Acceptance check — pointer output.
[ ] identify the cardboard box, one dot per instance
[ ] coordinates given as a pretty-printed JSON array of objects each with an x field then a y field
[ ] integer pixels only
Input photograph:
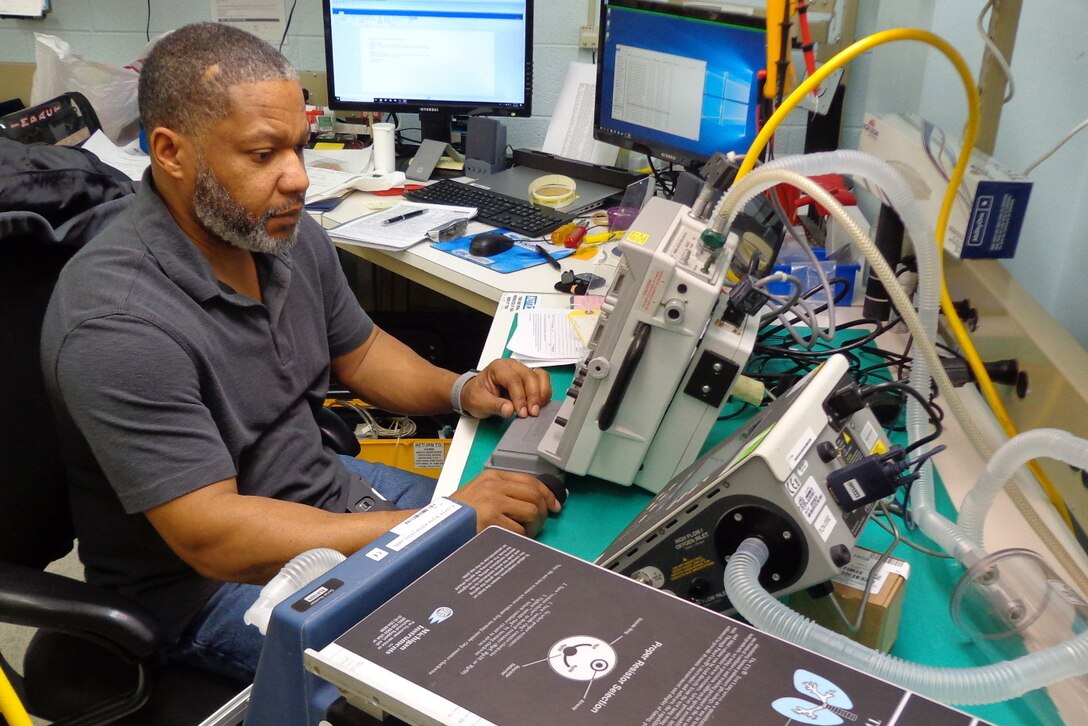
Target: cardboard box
[
  {"x": 882, "y": 612},
  {"x": 990, "y": 207}
]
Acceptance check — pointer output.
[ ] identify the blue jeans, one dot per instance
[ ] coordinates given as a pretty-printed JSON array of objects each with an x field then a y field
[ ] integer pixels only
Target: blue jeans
[{"x": 218, "y": 640}]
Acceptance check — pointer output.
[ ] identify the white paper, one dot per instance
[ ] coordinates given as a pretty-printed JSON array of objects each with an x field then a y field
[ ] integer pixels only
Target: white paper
[
  {"x": 129, "y": 159},
  {"x": 355, "y": 161},
  {"x": 545, "y": 337},
  {"x": 263, "y": 18},
  {"x": 369, "y": 231},
  {"x": 570, "y": 130},
  {"x": 327, "y": 182},
  {"x": 856, "y": 573},
  {"x": 25, "y": 8}
]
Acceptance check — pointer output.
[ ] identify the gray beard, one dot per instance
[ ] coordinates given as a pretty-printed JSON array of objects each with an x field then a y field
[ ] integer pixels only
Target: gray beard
[{"x": 222, "y": 216}]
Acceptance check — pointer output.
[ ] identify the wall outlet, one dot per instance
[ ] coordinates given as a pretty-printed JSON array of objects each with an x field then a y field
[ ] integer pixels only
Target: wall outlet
[{"x": 587, "y": 37}]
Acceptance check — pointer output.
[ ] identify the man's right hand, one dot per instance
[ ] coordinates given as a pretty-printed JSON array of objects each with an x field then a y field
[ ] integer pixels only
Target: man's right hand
[{"x": 512, "y": 500}]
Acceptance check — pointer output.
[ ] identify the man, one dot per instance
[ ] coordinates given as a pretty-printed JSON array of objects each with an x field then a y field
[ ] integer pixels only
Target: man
[{"x": 186, "y": 348}]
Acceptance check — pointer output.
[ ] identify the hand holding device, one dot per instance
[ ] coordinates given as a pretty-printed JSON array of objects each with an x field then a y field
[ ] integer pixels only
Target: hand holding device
[{"x": 509, "y": 499}]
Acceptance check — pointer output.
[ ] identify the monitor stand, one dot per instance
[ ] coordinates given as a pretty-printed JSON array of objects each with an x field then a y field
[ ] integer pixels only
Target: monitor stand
[{"x": 436, "y": 126}]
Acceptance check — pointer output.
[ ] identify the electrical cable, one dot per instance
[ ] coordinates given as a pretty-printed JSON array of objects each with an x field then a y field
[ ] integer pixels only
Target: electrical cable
[
  {"x": 659, "y": 177},
  {"x": 403, "y": 426},
  {"x": 287, "y": 25},
  {"x": 770, "y": 176},
  {"x": 995, "y": 51},
  {"x": 891, "y": 529},
  {"x": 904, "y": 387},
  {"x": 807, "y": 45},
  {"x": 855, "y": 626},
  {"x": 783, "y": 53},
  {"x": 1073, "y": 132},
  {"x": 776, "y": 205},
  {"x": 147, "y": 29},
  {"x": 978, "y": 367}
]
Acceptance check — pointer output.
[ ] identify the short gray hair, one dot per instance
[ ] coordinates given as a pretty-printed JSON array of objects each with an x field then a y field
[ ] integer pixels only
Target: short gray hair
[{"x": 187, "y": 76}]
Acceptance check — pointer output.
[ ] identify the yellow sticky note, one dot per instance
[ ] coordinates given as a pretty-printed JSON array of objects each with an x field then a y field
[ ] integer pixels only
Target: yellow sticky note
[
  {"x": 328, "y": 146},
  {"x": 639, "y": 238},
  {"x": 583, "y": 322}
]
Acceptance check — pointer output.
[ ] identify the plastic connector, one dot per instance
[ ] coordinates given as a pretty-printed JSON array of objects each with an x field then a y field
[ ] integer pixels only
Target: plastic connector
[
  {"x": 587, "y": 37},
  {"x": 844, "y": 403},
  {"x": 719, "y": 172},
  {"x": 869, "y": 479},
  {"x": 1005, "y": 372},
  {"x": 744, "y": 299}
]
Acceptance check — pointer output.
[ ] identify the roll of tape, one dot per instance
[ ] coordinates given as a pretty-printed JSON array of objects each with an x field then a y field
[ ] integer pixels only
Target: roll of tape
[{"x": 553, "y": 190}]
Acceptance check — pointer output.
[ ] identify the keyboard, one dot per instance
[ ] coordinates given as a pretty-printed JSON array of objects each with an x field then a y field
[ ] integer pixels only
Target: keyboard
[{"x": 498, "y": 210}]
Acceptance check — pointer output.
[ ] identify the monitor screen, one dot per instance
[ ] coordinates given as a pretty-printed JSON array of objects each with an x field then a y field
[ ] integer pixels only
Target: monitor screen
[
  {"x": 430, "y": 56},
  {"x": 677, "y": 82}
]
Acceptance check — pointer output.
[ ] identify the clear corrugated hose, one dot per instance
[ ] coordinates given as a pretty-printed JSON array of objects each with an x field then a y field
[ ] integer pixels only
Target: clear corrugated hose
[
  {"x": 966, "y": 686},
  {"x": 301, "y": 570},
  {"x": 962, "y": 686}
]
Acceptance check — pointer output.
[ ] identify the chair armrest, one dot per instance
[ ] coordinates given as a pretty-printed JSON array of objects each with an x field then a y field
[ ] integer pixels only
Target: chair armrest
[
  {"x": 40, "y": 599},
  {"x": 336, "y": 433}
]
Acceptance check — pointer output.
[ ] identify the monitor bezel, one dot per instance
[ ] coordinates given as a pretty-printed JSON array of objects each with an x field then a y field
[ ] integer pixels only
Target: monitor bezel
[
  {"x": 448, "y": 108},
  {"x": 654, "y": 148}
]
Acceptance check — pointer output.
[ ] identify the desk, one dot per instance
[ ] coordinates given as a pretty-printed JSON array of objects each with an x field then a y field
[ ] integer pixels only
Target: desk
[
  {"x": 925, "y": 621},
  {"x": 468, "y": 283}
]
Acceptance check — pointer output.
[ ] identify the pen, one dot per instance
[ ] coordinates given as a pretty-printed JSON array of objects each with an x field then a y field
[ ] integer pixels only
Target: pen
[
  {"x": 402, "y": 217},
  {"x": 548, "y": 256}
]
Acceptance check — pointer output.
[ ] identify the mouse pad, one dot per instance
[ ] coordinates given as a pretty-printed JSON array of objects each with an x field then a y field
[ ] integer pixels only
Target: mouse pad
[{"x": 519, "y": 257}]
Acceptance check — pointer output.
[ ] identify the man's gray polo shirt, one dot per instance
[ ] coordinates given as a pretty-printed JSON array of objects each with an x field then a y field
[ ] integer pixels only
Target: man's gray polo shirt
[{"x": 164, "y": 381}]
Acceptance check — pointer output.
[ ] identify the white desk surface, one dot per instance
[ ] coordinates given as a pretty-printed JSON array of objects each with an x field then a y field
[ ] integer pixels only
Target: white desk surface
[{"x": 469, "y": 283}]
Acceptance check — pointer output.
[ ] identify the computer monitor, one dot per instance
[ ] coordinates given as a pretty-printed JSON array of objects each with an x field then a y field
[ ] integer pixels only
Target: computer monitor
[
  {"x": 677, "y": 82},
  {"x": 437, "y": 58}
]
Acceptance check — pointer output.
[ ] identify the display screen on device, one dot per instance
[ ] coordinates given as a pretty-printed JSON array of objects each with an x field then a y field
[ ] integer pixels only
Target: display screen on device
[
  {"x": 431, "y": 55},
  {"x": 678, "y": 82}
]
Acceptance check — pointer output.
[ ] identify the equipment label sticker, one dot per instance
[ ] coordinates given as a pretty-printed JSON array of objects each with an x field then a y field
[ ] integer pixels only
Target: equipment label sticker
[
  {"x": 870, "y": 436},
  {"x": 825, "y": 523},
  {"x": 428, "y": 454},
  {"x": 422, "y": 521},
  {"x": 856, "y": 573},
  {"x": 810, "y": 500},
  {"x": 801, "y": 447}
]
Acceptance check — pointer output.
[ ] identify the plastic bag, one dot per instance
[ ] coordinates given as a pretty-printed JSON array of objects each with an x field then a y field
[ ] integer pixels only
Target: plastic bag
[{"x": 109, "y": 88}]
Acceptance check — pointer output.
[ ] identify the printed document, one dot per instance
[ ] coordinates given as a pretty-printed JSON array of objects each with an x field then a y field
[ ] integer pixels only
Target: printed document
[
  {"x": 369, "y": 231},
  {"x": 545, "y": 338},
  {"x": 570, "y": 130}
]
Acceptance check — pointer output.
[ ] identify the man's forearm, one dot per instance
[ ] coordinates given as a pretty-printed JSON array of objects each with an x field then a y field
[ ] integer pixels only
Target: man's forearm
[
  {"x": 234, "y": 538},
  {"x": 392, "y": 376}
]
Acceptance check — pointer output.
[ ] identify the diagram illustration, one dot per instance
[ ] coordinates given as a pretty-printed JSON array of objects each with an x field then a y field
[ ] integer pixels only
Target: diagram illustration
[{"x": 830, "y": 708}]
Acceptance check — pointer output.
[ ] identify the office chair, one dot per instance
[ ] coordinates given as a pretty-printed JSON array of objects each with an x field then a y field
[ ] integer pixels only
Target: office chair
[
  {"x": 96, "y": 657},
  {"x": 67, "y": 120}
]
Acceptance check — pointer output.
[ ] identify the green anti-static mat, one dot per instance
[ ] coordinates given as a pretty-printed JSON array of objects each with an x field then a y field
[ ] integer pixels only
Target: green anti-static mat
[{"x": 596, "y": 511}]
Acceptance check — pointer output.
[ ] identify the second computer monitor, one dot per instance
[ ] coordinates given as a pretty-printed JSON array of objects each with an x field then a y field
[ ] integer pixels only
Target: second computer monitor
[{"x": 678, "y": 82}]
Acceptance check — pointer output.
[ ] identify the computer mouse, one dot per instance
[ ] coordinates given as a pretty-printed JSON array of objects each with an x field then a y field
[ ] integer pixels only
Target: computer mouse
[{"x": 489, "y": 244}]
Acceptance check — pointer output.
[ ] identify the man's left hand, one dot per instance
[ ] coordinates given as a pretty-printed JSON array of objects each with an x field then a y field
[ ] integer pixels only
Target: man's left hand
[{"x": 505, "y": 388}]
